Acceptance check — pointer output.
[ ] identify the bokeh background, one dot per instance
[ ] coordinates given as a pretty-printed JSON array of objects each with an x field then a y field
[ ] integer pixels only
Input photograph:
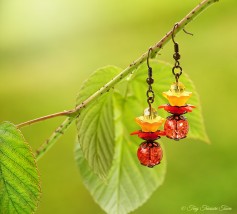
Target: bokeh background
[{"x": 49, "y": 47}]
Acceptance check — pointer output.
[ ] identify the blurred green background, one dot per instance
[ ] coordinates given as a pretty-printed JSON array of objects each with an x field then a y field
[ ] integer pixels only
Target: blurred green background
[{"x": 49, "y": 47}]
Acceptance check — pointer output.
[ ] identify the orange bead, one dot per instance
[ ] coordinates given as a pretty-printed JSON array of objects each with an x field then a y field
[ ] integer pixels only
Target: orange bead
[{"x": 177, "y": 96}]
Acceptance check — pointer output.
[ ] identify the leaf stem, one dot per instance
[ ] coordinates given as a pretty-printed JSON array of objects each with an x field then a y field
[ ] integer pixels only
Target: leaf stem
[{"x": 153, "y": 52}]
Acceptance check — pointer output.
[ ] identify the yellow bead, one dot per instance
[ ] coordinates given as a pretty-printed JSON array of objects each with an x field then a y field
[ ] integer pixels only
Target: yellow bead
[
  {"x": 177, "y": 96},
  {"x": 150, "y": 122}
]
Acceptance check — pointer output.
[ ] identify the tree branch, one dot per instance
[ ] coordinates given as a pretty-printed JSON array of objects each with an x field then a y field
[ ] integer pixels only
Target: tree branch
[
  {"x": 27, "y": 123},
  {"x": 154, "y": 51}
]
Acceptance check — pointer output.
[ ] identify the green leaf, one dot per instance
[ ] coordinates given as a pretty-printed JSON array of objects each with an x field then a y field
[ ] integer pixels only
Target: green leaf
[
  {"x": 128, "y": 184},
  {"x": 95, "y": 123},
  {"x": 19, "y": 179}
]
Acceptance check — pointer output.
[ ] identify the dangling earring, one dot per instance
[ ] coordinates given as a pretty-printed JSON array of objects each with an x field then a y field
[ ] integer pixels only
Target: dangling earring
[
  {"x": 149, "y": 152},
  {"x": 176, "y": 126}
]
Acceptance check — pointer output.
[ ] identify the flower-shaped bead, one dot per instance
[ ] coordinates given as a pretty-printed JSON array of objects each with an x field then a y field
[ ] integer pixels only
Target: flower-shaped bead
[
  {"x": 177, "y": 96},
  {"x": 177, "y": 110},
  {"x": 150, "y": 136},
  {"x": 150, "y": 122}
]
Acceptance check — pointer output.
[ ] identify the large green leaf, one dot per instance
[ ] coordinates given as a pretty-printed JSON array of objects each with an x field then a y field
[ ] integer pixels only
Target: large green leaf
[
  {"x": 19, "y": 179},
  {"x": 128, "y": 184},
  {"x": 95, "y": 123}
]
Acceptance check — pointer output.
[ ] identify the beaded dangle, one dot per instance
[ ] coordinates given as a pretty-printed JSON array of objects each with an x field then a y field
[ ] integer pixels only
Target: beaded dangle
[
  {"x": 149, "y": 152},
  {"x": 176, "y": 125}
]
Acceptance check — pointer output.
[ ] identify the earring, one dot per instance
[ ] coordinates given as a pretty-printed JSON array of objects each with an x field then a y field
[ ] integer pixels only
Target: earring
[
  {"x": 176, "y": 126},
  {"x": 149, "y": 152}
]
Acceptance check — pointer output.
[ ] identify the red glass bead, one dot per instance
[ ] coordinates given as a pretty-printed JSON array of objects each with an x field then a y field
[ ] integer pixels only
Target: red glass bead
[
  {"x": 176, "y": 127},
  {"x": 149, "y": 153}
]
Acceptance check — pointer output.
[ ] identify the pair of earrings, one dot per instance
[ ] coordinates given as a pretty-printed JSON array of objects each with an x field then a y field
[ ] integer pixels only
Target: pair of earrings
[{"x": 176, "y": 126}]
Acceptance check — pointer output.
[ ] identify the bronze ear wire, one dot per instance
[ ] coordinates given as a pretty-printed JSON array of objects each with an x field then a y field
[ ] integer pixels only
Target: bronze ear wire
[
  {"x": 150, "y": 93},
  {"x": 176, "y": 125},
  {"x": 177, "y": 69}
]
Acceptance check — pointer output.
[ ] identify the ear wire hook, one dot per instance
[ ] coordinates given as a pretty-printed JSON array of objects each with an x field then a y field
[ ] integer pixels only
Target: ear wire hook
[
  {"x": 147, "y": 59},
  {"x": 175, "y": 26},
  {"x": 177, "y": 69}
]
